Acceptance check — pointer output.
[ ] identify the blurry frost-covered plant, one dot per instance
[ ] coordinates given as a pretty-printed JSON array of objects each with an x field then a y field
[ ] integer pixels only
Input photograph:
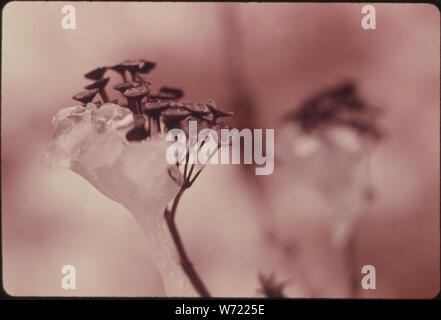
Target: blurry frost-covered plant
[
  {"x": 120, "y": 148},
  {"x": 270, "y": 287},
  {"x": 327, "y": 137},
  {"x": 323, "y": 149}
]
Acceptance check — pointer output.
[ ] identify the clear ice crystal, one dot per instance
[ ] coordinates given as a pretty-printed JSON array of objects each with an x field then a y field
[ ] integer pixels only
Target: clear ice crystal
[{"x": 91, "y": 142}]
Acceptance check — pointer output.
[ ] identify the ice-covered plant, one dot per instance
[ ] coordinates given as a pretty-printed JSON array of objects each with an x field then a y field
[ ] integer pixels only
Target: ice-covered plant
[
  {"x": 327, "y": 137},
  {"x": 120, "y": 148},
  {"x": 322, "y": 146}
]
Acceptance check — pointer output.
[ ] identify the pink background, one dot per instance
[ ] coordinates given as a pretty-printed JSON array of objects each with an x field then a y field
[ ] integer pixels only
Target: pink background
[{"x": 271, "y": 55}]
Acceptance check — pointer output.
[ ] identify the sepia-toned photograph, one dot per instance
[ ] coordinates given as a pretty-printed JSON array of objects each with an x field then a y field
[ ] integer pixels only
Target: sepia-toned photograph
[{"x": 226, "y": 150}]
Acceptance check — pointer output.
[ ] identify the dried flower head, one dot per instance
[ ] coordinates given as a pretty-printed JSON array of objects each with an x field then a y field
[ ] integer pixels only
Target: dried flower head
[{"x": 121, "y": 152}]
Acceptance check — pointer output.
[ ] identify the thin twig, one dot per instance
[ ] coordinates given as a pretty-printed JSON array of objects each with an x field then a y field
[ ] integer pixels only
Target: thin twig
[
  {"x": 169, "y": 215},
  {"x": 193, "y": 164},
  {"x": 187, "y": 156},
  {"x": 184, "y": 260},
  {"x": 202, "y": 168}
]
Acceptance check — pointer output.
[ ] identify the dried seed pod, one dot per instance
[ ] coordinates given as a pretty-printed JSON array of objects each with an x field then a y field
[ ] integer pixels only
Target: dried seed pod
[
  {"x": 217, "y": 113},
  {"x": 172, "y": 117},
  {"x": 166, "y": 93},
  {"x": 198, "y": 110},
  {"x": 100, "y": 84},
  {"x": 153, "y": 111},
  {"x": 146, "y": 67},
  {"x": 155, "y": 107},
  {"x": 123, "y": 86},
  {"x": 86, "y": 96},
  {"x": 211, "y": 105},
  {"x": 135, "y": 94},
  {"x": 175, "y": 113},
  {"x": 96, "y": 74},
  {"x": 119, "y": 68},
  {"x": 137, "y": 66}
]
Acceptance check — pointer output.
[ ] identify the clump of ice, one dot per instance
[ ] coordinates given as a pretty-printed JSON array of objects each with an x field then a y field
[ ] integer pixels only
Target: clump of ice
[{"x": 91, "y": 141}]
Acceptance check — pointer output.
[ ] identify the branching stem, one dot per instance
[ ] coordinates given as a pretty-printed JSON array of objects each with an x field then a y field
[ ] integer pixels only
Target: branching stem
[
  {"x": 169, "y": 215},
  {"x": 184, "y": 260}
]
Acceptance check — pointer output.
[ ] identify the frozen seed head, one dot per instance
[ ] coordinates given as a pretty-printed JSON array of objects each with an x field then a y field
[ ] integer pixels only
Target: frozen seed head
[
  {"x": 162, "y": 107},
  {"x": 99, "y": 84},
  {"x": 85, "y": 96},
  {"x": 96, "y": 74}
]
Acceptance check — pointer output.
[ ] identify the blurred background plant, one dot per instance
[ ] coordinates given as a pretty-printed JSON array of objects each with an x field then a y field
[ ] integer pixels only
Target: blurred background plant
[{"x": 324, "y": 147}]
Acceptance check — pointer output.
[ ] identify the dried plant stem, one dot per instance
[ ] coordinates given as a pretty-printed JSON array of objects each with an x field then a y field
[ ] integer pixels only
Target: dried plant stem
[
  {"x": 104, "y": 96},
  {"x": 200, "y": 170},
  {"x": 169, "y": 215},
  {"x": 184, "y": 260}
]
